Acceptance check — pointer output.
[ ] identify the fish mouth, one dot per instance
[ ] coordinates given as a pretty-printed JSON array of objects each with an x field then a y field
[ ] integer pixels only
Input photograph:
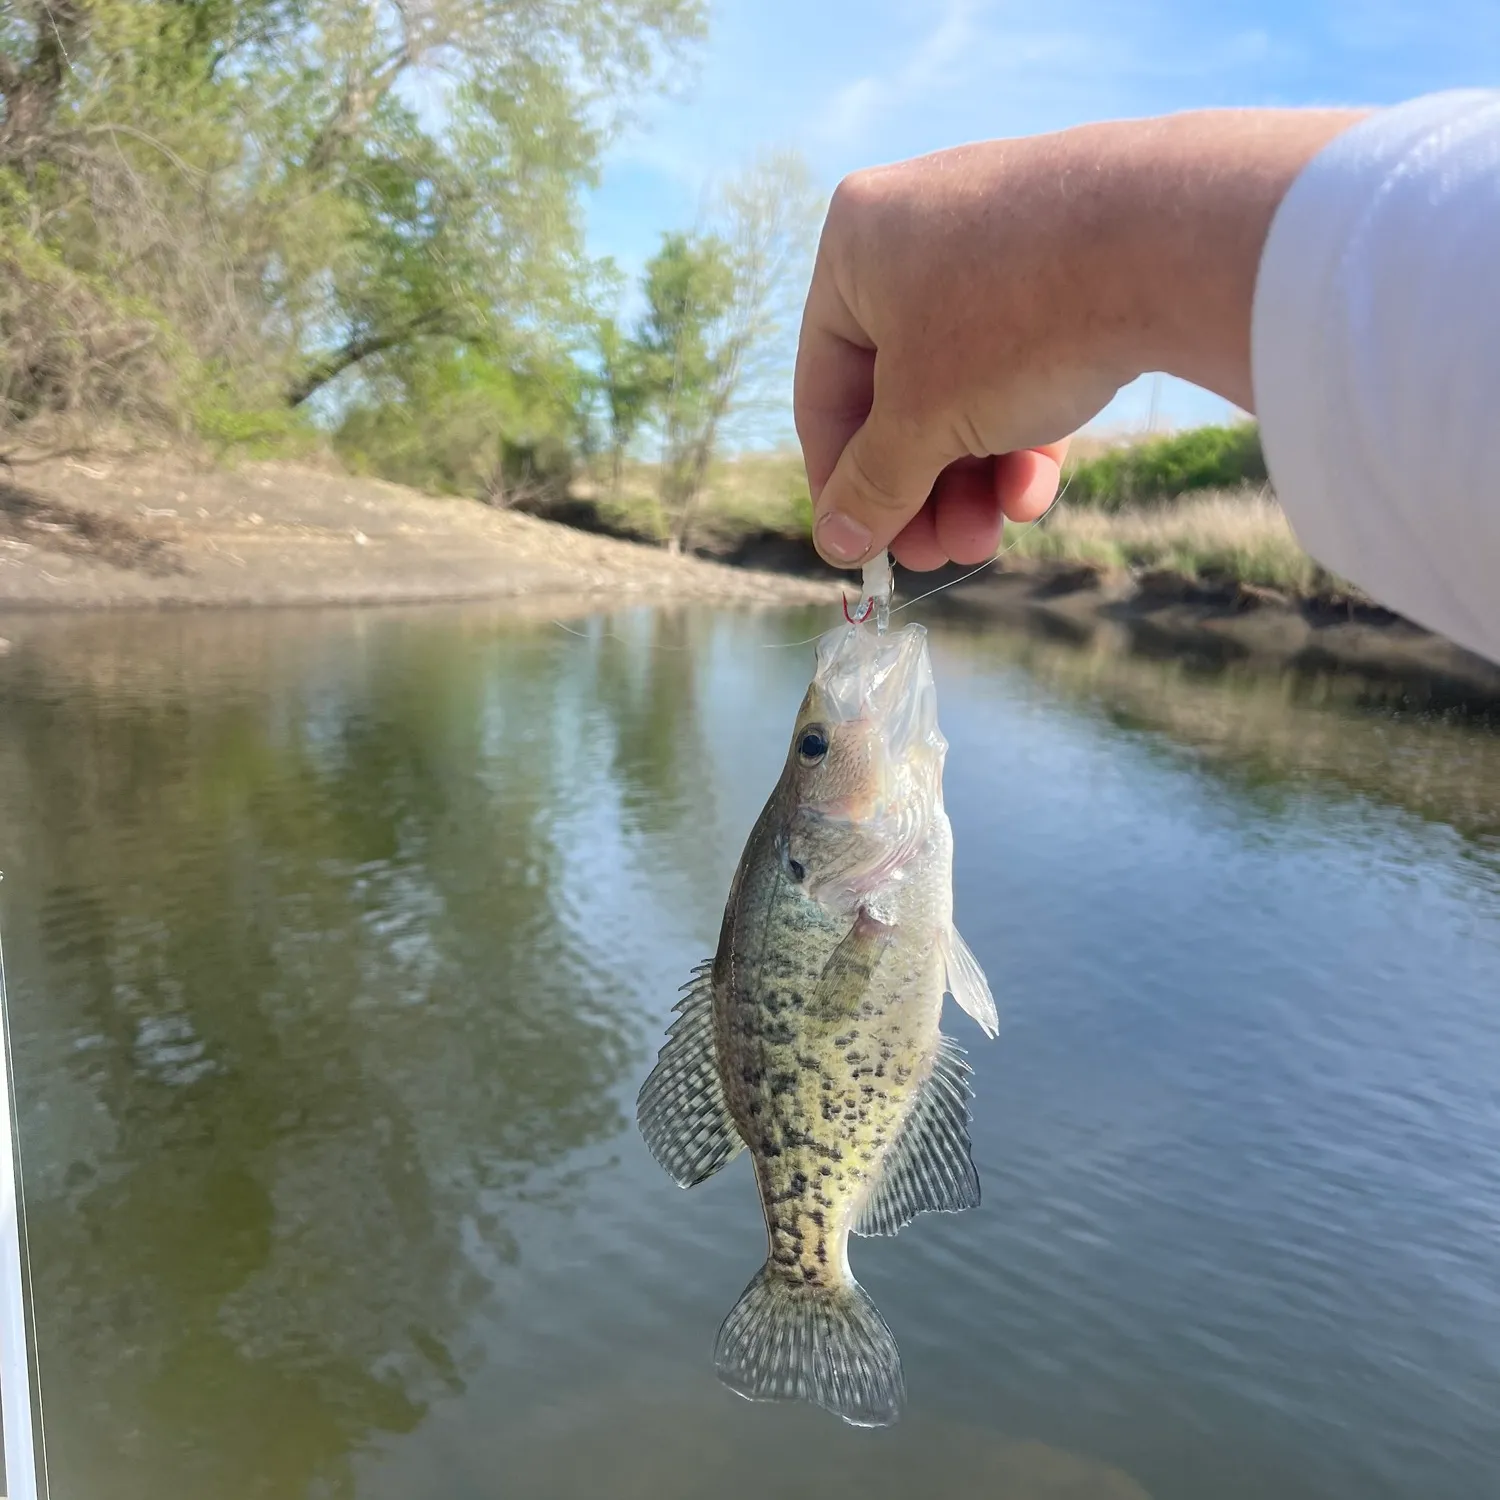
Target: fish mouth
[{"x": 884, "y": 679}]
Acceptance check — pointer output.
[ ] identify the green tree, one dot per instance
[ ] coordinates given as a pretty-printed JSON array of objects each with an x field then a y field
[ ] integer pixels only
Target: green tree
[
  {"x": 719, "y": 306},
  {"x": 264, "y": 196},
  {"x": 689, "y": 288},
  {"x": 626, "y": 385},
  {"x": 461, "y": 421}
]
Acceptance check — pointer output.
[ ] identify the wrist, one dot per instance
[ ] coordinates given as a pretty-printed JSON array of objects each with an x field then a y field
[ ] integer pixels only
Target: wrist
[{"x": 1187, "y": 203}]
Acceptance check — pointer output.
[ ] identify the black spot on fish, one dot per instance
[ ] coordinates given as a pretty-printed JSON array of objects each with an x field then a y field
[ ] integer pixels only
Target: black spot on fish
[
  {"x": 830, "y": 1109},
  {"x": 817, "y": 1217},
  {"x": 799, "y": 1184},
  {"x": 784, "y": 1257},
  {"x": 825, "y": 1171},
  {"x": 808, "y": 1064},
  {"x": 845, "y": 1039}
]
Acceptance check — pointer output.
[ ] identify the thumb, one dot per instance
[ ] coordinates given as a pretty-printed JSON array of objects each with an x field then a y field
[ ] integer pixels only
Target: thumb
[{"x": 882, "y": 479}]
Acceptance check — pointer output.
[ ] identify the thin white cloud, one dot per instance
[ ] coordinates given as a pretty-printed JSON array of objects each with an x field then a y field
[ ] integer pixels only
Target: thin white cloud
[
  {"x": 852, "y": 82},
  {"x": 855, "y": 106}
]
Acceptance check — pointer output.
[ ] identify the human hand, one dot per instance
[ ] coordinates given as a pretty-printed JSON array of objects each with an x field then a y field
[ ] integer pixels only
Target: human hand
[{"x": 971, "y": 309}]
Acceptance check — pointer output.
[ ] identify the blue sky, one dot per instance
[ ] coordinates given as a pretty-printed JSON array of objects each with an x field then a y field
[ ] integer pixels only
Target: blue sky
[{"x": 851, "y": 83}]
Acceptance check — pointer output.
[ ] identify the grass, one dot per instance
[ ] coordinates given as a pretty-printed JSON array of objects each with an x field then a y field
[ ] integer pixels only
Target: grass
[
  {"x": 1238, "y": 534},
  {"x": 745, "y": 494},
  {"x": 1236, "y": 531}
]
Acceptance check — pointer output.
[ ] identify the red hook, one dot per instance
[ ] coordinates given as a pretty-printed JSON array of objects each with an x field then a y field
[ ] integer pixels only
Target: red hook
[{"x": 862, "y": 616}]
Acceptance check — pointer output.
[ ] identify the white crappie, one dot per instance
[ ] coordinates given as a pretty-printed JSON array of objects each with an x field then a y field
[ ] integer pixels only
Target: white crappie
[{"x": 812, "y": 1037}]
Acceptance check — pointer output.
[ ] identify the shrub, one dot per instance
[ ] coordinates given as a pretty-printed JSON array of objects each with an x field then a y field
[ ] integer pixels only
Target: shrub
[{"x": 1160, "y": 469}]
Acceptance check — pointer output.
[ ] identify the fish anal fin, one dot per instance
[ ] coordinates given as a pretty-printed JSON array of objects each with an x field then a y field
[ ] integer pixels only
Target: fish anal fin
[
  {"x": 681, "y": 1109},
  {"x": 928, "y": 1168},
  {"x": 967, "y": 984}
]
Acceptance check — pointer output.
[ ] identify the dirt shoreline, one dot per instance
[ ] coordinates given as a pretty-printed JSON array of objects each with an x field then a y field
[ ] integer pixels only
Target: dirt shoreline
[
  {"x": 165, "y": 533},
  {"x": 1227, "y": 623}
]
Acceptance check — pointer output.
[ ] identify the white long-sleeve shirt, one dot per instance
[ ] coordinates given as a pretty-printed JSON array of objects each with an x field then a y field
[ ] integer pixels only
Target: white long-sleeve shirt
[{"x": 1376, "y": 361}]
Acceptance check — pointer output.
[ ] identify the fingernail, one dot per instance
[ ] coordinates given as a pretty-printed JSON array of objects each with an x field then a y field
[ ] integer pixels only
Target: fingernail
[{"x": 841, "y": 539}]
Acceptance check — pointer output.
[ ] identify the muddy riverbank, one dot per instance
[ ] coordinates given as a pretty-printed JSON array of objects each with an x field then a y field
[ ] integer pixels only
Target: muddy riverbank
[{"x": 166, "y": 532}]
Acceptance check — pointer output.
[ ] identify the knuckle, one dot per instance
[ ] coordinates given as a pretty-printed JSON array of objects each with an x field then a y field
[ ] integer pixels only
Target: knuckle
[{"x": 854, "y": 192}]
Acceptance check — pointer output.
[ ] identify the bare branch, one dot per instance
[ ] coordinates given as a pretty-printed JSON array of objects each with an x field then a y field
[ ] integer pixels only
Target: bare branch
[
  {"x": 359, "y": 349},
  {"x": 110, "y": 128}
]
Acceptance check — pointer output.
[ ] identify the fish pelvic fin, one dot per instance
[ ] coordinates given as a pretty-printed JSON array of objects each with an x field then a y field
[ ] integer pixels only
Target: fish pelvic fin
[
  {"x": 680, "y": 1109},
  {"x": 828, "y": 1345},
  {"x": 928, "y": 1168},
  {"x": 967, "y": 984}
]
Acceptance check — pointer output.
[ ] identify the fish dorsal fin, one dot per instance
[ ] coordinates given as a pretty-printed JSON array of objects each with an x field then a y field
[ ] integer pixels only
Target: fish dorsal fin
[
  {"x": 967, "y": 984},
  {"x": 681, "y": 1109},
  {"x": 928, "y": 1168}
]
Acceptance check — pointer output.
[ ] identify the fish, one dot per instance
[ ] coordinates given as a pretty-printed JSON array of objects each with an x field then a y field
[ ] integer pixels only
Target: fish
[{"x": 812, "y": 1038}]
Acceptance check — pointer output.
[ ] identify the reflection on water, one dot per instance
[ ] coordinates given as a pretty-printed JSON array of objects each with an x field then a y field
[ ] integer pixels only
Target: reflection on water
[
  {"x": 632, "y": 1448},
  {"x": 340, "y": 941},
  {"x": 1268, "y": 729}
]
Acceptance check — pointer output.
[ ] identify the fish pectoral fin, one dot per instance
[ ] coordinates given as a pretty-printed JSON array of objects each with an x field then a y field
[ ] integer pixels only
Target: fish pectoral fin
[
  {"x": 928, "y": 1167},
  {"x": 680, "y": 1109},
  {"x": 846, "y": 976},
  {"x": 967, "y": 984},
  {"x": 824, "y": 1344}
]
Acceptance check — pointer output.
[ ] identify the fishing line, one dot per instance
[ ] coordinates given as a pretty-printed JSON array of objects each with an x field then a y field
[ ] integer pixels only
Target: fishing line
[
  {"x": 19, "y": 1354},
  {"x": 962, "y": 577},
  {"x": 611, "y": 635}
]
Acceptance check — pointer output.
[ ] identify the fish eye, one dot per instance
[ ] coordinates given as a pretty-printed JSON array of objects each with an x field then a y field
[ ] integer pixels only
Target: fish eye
[{"x": 813, "y": 745}]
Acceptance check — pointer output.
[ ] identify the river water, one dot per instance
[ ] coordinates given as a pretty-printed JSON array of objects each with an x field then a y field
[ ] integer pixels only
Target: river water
[{"x": 339, "y": 942}]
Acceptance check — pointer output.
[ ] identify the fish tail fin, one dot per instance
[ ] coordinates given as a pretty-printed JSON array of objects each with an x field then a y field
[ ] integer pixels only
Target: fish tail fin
[{"x": 785, "y": 1341}]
